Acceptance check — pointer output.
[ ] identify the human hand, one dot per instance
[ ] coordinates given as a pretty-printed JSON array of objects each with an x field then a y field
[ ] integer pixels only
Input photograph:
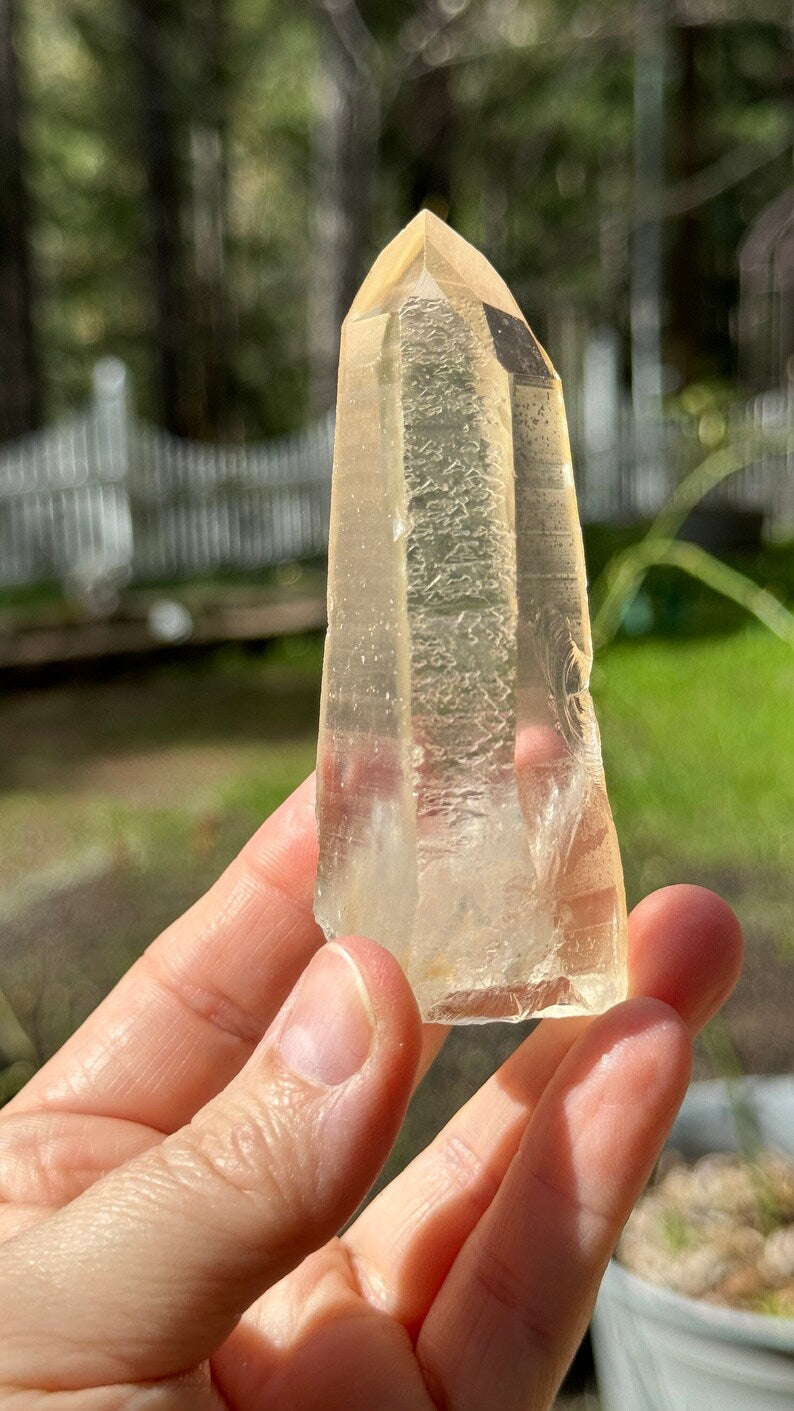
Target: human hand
[{"x": 175, "y": 1177}]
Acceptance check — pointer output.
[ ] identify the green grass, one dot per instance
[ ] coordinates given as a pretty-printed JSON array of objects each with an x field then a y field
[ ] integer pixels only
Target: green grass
[
  {"x": 697, "y": 738},
  {"x": 698, "y": 745},
  {"x": 121, "y": 800}
]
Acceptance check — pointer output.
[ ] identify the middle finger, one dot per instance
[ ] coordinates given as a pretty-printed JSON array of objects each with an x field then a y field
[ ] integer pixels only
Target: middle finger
[{"x": 684, "y": 949}]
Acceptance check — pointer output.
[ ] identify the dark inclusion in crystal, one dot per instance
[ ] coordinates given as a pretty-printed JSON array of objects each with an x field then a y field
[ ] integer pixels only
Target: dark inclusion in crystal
[{"x": 516, "y": 347}]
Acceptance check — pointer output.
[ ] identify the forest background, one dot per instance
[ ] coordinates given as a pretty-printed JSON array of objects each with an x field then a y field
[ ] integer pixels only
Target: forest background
[{"x": 197, "y": 186}]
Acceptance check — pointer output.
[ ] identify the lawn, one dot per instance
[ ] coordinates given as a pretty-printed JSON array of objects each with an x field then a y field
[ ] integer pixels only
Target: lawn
[
  {"x": 698, "y": 745},
  {"x": 120, "y": 799}
]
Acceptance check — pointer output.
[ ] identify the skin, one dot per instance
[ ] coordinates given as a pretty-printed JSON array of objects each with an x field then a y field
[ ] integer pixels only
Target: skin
[{"x": 173, "y": 1179}]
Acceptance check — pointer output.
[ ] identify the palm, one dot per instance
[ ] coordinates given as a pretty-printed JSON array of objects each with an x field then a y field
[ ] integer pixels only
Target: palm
[
  {"x": 342, "y": 1351},
  {"x": 339, "y": 1349},
  {"x": 465, "y": 1283}
]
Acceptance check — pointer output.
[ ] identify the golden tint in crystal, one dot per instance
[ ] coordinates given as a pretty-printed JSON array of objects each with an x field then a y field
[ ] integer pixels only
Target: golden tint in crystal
[{"x": 462, "y": 810}]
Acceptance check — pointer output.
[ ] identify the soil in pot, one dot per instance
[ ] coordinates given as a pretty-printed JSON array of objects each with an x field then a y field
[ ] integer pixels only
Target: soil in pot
[{"x": 720, "y": 1230}]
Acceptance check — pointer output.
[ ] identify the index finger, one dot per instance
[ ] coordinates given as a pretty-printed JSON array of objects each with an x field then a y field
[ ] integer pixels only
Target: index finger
[{"x": 187, "y": 1016}]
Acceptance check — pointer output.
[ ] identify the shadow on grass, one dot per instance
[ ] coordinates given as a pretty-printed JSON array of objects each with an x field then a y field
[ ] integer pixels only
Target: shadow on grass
[
  {"x": 266, "y": 696},
  {"x": 63, "y": 952}
]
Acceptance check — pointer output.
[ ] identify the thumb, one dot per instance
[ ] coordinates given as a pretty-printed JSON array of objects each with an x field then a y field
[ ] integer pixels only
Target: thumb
[{"x": 147, "y": 1273}]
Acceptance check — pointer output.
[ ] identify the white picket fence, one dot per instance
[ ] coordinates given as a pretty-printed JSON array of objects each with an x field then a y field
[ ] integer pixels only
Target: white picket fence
[{"x": 103, "y": 493}]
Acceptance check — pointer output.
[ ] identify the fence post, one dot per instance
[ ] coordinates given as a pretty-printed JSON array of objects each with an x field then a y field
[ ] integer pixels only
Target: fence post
[
  {"x": 113, "y": 419},
  {"x": 600, "y": 448},
  {"x": 111, "y": 404}
]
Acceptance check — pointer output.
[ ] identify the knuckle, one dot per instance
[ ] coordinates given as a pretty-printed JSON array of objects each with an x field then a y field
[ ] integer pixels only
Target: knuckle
[
  {"x": 256, "y": 1151},
  {"x": 466, "y": 1168}
]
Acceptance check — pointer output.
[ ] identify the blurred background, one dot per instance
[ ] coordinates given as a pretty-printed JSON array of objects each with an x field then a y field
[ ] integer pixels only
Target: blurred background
[{"x": 190, "y": 192}]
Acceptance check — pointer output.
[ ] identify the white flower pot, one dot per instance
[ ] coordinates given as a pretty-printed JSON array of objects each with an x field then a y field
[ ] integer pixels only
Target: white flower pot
[{"x": 661, "y": 1351}]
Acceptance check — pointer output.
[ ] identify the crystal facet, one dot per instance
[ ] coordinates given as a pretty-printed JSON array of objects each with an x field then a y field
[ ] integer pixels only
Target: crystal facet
[{"x": 462, "y": 809}]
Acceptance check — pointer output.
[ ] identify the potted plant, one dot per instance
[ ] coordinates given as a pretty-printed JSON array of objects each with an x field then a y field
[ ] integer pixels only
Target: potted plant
[{"x": 731, "y": 1348}]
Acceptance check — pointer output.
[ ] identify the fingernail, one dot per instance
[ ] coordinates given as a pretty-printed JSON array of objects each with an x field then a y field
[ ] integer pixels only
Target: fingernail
[{"x": 329, "y": 1031}]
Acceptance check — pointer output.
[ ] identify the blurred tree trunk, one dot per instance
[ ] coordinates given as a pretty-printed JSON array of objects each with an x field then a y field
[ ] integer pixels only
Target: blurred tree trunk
[
  {"x": 210, "y": 189},
  {"x": 346, "y": 132},
  {"x": 427, "y": 121},
  {"x": 150, "y": 23},
  {"x": 19, "y": 392},
  {"x": 685, "y": 282},
  {"x": 646, "y": 264},
  {"x": 646, "y": 253}
]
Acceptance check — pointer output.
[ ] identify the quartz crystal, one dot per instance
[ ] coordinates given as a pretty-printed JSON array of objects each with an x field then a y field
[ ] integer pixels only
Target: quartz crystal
[{"x": 463, "y": 815}]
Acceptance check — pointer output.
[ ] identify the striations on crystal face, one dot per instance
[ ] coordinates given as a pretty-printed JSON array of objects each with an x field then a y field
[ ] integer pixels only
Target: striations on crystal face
[{"x": 462, "y": 810}]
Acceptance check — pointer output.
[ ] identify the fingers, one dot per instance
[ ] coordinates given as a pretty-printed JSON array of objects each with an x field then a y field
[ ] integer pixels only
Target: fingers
[
  {"x": 186, "y": 1017},
  {"x": 147, "y": 1272},
  {"x": 685, "y": 949},
  {"x": 516, "y": 1301},
  {"x": 49, "y": 1158},
  {"x": 403, "y": 1245}
]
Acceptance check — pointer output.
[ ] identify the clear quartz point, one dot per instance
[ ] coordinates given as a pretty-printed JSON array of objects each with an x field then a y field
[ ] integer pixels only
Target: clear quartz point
[{"x": 463, "y": 816}]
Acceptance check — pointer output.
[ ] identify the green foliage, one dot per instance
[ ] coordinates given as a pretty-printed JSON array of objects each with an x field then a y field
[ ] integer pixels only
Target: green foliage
[
  {"x": 676, "y": 1230},
  {"x": 774, "y": 1303},
  {"x": 701, "y": 412},
  {"x": 537, "y": 146},
  {"x": 624, "y": 577}
]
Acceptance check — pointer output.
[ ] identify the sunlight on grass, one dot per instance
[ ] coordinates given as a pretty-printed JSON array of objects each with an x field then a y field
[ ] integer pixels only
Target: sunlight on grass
[
  {"x": 121, "y": 803},
  {"x": 698, "y": 746}
]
